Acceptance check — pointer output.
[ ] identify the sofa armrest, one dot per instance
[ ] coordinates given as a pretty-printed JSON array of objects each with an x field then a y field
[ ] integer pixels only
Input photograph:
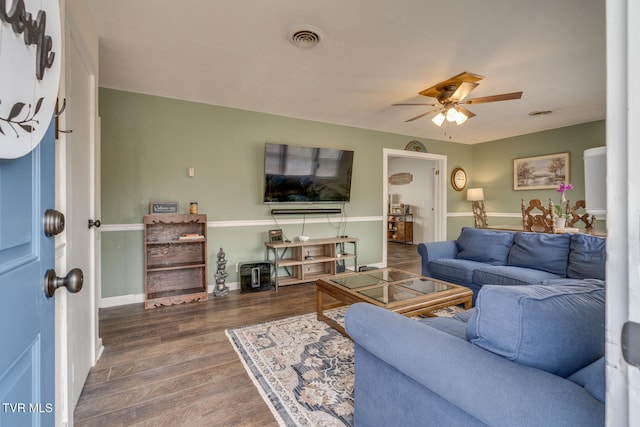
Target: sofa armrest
[
  {"x": 489, "y": 387},
  {"x": 435, "y": 250}
]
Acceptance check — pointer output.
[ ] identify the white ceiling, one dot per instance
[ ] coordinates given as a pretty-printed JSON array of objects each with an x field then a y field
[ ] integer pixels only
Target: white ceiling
[{"x": 373, "y": 53}]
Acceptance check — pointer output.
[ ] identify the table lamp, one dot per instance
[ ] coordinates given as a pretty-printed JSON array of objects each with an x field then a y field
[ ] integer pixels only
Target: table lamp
[{"x": 476, "y": 197}]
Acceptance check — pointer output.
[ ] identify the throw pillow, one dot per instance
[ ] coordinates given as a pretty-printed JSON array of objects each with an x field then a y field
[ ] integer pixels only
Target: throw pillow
[
  {"x": 558, "y": 328},
  {"x": 490, "y": 246}
]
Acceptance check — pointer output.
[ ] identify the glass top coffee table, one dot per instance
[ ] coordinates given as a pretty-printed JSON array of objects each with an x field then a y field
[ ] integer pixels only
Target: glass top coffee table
[{"x": 396, "y": 290}]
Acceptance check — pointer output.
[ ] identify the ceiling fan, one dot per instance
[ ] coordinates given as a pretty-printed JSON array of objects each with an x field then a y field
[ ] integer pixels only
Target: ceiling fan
[{"x": 451, "y": 95}]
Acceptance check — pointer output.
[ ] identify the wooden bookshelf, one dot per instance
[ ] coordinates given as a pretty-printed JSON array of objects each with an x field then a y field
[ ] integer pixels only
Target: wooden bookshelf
[{"x": 175, "y": 259}]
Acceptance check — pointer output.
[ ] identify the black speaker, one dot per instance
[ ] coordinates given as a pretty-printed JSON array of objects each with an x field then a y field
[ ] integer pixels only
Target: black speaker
[
  {"x": 255, "y": 276},
  {"x": 306, "y": 211}
]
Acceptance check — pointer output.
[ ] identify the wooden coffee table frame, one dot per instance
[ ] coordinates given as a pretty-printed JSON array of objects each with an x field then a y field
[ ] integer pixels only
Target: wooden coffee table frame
[{"x": 419, "y": 305}]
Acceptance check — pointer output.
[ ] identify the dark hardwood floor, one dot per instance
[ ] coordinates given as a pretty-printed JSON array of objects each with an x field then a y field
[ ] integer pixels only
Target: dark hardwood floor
[
  {"x": 174, "y": 366},
  {"x": 404, "y": 257}
]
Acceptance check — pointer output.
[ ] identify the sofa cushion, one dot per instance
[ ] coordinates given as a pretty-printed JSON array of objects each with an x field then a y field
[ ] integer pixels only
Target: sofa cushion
[
  {"x": 454, "y": 325},
  {"x": 592, "y": 378},
  {"x": 542, "y": 251},
  {"x": 510, "y": 275},
  {"x": 483, "y": 245},
  {"x": 453, "y": 270},
  {"x": 465, "y": 315},
  {"x": 450, "y": 325},
  {"x": 558, "y": 328},
  {"x": 587, "y": 257},
  {"x": 568, "y": 281}
]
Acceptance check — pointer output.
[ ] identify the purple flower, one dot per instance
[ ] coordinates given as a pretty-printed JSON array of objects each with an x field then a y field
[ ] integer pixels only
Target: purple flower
[{"x": 564, "y": 187}]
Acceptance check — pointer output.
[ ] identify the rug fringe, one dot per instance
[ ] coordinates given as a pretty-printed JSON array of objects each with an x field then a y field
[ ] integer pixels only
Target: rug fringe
[{"x": 255, "y": 381}]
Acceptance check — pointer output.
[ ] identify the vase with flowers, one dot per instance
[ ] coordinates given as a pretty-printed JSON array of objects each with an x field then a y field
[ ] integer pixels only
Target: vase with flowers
[{"x": 560, "y": 210}]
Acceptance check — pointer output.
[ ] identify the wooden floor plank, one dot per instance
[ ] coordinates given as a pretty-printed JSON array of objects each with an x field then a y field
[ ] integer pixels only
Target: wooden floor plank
[{"x": 174, "y": 365}]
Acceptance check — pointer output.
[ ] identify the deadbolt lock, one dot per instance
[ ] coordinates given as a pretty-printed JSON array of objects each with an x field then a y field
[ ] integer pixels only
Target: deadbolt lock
[{"x": 53, "y": 222}]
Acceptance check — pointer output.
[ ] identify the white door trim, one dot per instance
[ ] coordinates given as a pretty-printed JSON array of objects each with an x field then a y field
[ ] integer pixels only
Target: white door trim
[
  {"x": 623, "y": 222},
  {"x": 440, "y": 192},
  {"x": 74, "y": 39}
]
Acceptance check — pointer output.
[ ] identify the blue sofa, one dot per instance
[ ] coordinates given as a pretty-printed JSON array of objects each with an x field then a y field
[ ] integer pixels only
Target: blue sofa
[
  {"x": 482, "y": 256},
  {"x": 524, "y": 356}
]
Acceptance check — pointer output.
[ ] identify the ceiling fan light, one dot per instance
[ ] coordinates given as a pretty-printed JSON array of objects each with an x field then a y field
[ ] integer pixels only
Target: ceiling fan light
[
  {"x": 452, "y": 114},
  {"x": 438, "y": 119},
  {"x": 462, "y": 117}
]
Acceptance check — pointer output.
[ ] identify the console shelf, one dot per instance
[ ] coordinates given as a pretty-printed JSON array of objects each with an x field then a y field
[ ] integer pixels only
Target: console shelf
[
  {"x": 175, "y": 266},
  {"x": 300, "y": 262}
]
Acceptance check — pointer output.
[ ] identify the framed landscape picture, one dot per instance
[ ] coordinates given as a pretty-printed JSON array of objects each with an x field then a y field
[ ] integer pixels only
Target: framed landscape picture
[{"x": 541, "y": 172}]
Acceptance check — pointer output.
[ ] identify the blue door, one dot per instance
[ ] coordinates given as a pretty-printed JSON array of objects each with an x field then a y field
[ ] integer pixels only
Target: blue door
[{"x": 27, "y": 342}]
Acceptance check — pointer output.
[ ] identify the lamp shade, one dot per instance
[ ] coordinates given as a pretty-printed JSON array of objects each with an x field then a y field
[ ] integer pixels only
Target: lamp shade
[
  {"x": 438, "y": 119},
  {"x": 595, "y": 181},
  {"x": 475, "y": 194},
  {"x": 462, "y": 117},
  {"x": 452, "y": 114}
]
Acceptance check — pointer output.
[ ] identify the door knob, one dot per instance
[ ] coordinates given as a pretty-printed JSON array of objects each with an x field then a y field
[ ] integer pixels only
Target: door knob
[
  {"x": 72, "y": 281},
  {"x": 95, "y": 223},
  {"x": 53, "y": 222},
  {"x": 631, "y": 343}
]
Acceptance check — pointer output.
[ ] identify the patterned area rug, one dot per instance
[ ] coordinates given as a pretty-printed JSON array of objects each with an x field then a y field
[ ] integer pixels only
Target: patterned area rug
[{"x": 302, "y": 367}]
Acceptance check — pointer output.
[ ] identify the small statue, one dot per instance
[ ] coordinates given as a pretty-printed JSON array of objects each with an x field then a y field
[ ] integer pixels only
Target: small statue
[{"x": 221, "y": 275}]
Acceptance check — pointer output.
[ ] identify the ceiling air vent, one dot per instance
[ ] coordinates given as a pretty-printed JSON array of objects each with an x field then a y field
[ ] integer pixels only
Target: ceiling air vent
[{"x": 304, "y": 36}]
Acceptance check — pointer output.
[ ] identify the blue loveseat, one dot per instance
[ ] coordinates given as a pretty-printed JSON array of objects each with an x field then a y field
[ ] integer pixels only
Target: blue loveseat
[
  {"x": 524, "y": 356},
  {"x": 482, "y": 256}
]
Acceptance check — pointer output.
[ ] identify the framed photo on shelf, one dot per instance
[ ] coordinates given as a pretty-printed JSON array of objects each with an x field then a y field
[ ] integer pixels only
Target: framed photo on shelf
[
  {"x": 275, "y": 235},
  {"x": 163, "y": 207},
  {"x": 541, "y": 172}
]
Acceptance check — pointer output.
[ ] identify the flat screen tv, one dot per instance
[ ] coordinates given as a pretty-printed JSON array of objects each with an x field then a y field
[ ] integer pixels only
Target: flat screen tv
[{"x": 294, "y": 174}]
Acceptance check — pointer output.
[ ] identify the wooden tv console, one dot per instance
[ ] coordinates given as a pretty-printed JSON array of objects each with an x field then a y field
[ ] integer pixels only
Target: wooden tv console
[{"x": 308, "y": 261}]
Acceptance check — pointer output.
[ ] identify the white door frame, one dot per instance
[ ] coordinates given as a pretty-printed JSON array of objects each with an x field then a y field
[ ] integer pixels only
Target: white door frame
[
  {"x": 439, "y": 192},
  {"x": 623, "y": 222},
  {"x": 65, "y": 361}
]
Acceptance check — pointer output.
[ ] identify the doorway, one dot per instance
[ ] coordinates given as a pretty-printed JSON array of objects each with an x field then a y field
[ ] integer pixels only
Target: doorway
[{"x": 424, "y": 196}]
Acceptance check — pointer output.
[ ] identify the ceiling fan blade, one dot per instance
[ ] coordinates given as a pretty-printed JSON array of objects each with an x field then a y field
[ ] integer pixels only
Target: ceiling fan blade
[
  {"x": 429, "y": 104},
  {"x": 456, "y": 81},
  {"x": 463, "y": 91},
  {"x": 466, "y": 76},
  {"x": 493, "y": 98},
  {"x": 466, "y": 112},
  {"x": 422, "y": 115}
]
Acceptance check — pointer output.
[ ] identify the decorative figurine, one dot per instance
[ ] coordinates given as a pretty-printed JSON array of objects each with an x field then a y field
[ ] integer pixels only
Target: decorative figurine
[{"x": 221, "y": 275}]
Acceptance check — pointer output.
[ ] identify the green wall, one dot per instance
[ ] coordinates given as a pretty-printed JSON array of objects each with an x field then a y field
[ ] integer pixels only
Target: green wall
[
  {"x": 149, "y": 142},
  {"x": 493, "y": 166}
]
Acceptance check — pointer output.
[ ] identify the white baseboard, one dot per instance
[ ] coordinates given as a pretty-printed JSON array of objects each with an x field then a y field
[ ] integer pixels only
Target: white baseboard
[
  {"x": 233, "y": 286},
  {"x": 139, "y": 298},
  {"x": 99, "y": 352},
  {"x": 121, "y": 300}
]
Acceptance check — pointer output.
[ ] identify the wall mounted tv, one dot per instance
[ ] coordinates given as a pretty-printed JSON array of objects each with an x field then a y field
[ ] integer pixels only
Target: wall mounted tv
[{"x": 294, "y": 174}]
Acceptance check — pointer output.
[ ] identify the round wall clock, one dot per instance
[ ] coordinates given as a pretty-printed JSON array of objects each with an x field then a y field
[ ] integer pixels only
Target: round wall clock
[{"x": 458, "y": 179}]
